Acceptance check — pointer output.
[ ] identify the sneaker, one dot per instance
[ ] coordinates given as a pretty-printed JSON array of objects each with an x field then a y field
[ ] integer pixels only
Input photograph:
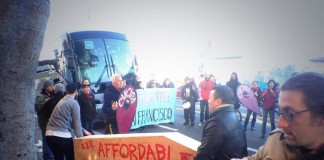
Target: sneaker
[
  {"x": 262, "y": 136},
  {"x": 186, "y": 123},
  {"x": 252, "y": 128},
  {"x": 200, "y": 124},
  {"x": 192, "y": 124}
]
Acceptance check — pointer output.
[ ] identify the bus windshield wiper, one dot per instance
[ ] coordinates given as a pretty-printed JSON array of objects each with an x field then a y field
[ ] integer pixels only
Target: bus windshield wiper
[
  {"x": 114, "y": 67},
  {"x": 102, "y": 72}
]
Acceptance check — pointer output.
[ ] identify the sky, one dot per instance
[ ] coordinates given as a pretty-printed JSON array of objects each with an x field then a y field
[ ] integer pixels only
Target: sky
[{"x": 172, "y": 38}]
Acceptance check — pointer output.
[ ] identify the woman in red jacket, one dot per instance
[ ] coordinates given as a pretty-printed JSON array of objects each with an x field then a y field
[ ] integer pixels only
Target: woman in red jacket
[{"x": 268, "y": 96}]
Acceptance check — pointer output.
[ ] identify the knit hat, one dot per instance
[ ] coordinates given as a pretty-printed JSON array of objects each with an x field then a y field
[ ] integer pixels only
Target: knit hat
[{"x": 47, "y": 83}]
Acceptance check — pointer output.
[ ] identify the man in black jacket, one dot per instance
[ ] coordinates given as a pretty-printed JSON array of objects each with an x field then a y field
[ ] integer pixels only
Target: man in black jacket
[
  {"x": 110, "y": 103},
  {"x": 223, "y": 136},
  {"x": 41, "y": 99}
]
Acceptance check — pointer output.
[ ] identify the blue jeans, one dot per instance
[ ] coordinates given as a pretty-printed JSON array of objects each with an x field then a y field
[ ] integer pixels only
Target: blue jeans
[
  {"x": 264, "y": 122},
  {"x": 247, "y": 118},
  {"x": 47, "y": 153},
  {"x": 204, "y": 111},
  {"x": 190, "y": 113}
]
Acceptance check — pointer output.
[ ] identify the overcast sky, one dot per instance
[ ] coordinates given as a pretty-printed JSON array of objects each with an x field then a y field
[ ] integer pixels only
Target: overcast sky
[{"x": 176, "y": 33}]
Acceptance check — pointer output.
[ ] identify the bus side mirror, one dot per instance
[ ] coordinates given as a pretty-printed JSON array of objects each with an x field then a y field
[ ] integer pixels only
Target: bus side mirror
[{"x": 66, "y": 51}]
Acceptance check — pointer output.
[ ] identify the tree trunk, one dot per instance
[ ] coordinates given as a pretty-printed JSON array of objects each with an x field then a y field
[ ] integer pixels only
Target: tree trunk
[{"x": 22, "y": 28}]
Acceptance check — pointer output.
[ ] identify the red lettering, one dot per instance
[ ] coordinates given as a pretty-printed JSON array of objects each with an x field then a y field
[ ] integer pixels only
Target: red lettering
[
  {"x": 114, "y": 149},
  {"x": 87, "y": 145},
  {"x": 160, "y": 151},
  {"x": 124, "y": 154},
  {"x": 141, "y": 154},
  {"x": 100, "y": 150},
  {"x": 150, "y": 152},
  {"x": 132, "y": 149},
  {"x": 129, "y": 151},
  {"x": 107, "y": 148},
  {"x": 169, "y": 152},
  {"x": 91, "y": 144},
  {"x": 185, "y": 156},
  {"x": 84, "y": 146}
]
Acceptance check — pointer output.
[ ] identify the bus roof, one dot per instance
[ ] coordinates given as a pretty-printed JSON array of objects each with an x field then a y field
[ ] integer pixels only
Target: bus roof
[{"x": 97, "y": 34}]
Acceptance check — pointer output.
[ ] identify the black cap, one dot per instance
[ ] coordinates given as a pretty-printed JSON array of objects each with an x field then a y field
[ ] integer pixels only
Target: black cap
[{"x": 57, "y": 80}]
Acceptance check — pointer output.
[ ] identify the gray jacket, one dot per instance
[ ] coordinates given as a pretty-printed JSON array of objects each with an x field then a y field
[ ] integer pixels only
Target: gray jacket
[{"x": 65, "y": 116}]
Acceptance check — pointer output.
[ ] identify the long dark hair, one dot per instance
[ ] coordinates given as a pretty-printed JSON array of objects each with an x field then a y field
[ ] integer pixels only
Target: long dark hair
[
  {"x": 274, "y": 82},
  {"x": 236, "y": 80},
  {"x": 164, "y": 83}
]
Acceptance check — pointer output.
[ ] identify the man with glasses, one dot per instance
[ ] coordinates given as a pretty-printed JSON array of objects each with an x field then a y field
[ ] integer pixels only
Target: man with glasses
[{"x": 301, "y": 121}]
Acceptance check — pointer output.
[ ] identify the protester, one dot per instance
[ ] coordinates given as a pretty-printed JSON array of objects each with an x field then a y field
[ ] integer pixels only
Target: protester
[
  {"x": 153, "y": 84},
  {"x": 44, "y": 96},
  {"x": 139, "y": 83},
  {"x": 194, "y": 87},
  {"x": 58, "y": 94},
  {"x": 301, "y": 121},
  {"x": 57, "y": 80},
  {"x": 87, "y": 107},
  {"x": 268, "y": 96},
  {"x": 223, "y": 136},
  {"x": 110, "y": 104},
  {"x": 233, "y": 83},
  {"x": 213, "y": 78},
  {"x": 45, "y": 112},
  {"x": 188, "y": 95},
  {"x": 257, "y": 94},
  {"x": 64, "y": 118},
  {"x": 85, "y": 81},
  {"x": 167, "y": 83},
  {"x": 205, "y": 87}
]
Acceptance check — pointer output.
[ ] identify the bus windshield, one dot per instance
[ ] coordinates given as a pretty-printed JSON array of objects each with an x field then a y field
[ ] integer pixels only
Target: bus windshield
[{"x": 92, "y": 55}]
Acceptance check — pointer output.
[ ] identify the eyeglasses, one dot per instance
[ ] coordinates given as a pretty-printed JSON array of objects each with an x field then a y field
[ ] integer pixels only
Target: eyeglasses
[{"x": 290, "y": 115}]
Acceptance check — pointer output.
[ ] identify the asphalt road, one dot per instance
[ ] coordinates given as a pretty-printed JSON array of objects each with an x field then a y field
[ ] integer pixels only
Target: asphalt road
[{"x": 253, "y": 136}]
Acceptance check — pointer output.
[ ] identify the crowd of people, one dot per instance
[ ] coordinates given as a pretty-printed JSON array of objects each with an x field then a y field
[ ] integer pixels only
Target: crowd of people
[
  {"x": 224, "y": 136},
  {"x": 299, "y": 134},
  {"x": 59, "y": 110}
]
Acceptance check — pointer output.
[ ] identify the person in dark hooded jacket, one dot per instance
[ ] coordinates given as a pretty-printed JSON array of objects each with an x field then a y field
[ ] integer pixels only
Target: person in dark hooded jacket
[
  {"x": 87, "y": 108},
  {"x": 188, "y": 94},
  {"x": 233, "y": 83},
  {"x": 45, "y": 112},
  {"x": 41, "y": 99},
  {"x": 110, "y": 105}
]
